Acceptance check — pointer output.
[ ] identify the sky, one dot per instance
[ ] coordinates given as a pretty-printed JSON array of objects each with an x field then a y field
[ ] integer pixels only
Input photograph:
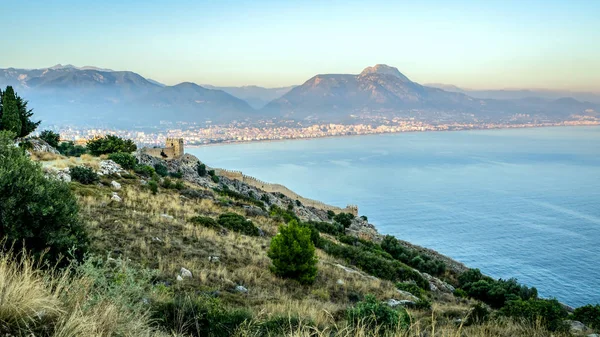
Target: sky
[{"x": 473, "y": 44}]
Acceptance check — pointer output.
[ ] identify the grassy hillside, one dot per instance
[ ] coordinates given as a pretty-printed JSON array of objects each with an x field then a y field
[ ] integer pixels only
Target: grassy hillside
[{"x": 158, "y": 266}]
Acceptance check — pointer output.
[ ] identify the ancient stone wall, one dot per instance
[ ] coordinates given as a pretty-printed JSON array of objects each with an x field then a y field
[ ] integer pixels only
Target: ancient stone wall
[
  {"x": 173, "y": 150},
  {"x": 277, "y": 188}
]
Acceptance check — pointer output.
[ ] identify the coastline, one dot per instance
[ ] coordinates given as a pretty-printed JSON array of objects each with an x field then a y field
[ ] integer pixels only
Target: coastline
[{"x": 233, "y": 142}]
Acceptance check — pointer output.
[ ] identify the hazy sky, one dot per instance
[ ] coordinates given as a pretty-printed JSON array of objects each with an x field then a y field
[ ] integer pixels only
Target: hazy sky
[{"x": 474, "y": 44}]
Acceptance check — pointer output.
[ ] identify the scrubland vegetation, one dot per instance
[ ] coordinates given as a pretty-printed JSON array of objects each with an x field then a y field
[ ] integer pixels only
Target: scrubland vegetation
[{"x": 171, "y": 258}]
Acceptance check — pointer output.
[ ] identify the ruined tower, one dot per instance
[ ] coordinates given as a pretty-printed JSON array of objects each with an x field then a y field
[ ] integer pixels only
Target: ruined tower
[{"x": 177, "y": 145}]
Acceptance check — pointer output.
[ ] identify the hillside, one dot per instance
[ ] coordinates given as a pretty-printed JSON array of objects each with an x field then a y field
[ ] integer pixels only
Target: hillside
[
  {"x": 186, "y": 253},
  {"x": 256, "y": 96}
]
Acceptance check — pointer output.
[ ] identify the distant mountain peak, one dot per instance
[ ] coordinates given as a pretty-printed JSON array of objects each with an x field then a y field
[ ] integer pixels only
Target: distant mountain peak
[{"x": 384, "y": 69}]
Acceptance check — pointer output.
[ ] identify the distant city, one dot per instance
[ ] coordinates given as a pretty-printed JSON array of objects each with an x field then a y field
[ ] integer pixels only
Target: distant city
[{"x": 241, "y": 132}]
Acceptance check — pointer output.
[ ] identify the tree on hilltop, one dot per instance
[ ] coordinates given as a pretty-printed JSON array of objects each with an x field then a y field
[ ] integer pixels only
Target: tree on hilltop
[{"x": 14, "y": 115}]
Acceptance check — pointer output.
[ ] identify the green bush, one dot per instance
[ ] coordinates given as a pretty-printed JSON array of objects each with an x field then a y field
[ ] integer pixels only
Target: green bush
[
  {"x": 235, "y": 195},
  {"x": 364, "y": 218},
  {"x": 50, "y": 137},
  {"x": 214, "y": 179},
  {"x": 161, "y": 170},
  {"x": 376, "y": 316},
  {"x": 411, "y": 257},
  {"x": 411, "y": 288},
  {"x": 238, "y": 223},
  {"x": 84, "y": 175},
  {"x": 201, "y": 168},
  {"x": 283, "y": 215},
  {"x": 36, "y": 212},
  {"x": 145, "y": 170},
  {"x": 314, "y": 233},
  {"x": 71, "y": 150},
  {"x": 198, "y": 316},
  {"x": 179, "y": 185},
  {"x": 110, "y": 144},
  {"x": 550, "y": 312},
  {"x": 493, "y": 292},
  {"x": 265, "y": 198},
  {"x": 330, "y": 214},
  {"x": 328, "y": 228},
  {"x": 293, "y": 253},
  {"x": 177, "y": 174},
  {"x": 166, "y": 183},
  {"x": 373, "y": 262},
  {"x": 345, "y": 219},
  {"x": 588, "y": 315},
  {"x": 204, "y": 221},
  {"x": 153, "y": 186},
  {"x": 479, "y": 314},
  {"x": 126, "y": 160}
]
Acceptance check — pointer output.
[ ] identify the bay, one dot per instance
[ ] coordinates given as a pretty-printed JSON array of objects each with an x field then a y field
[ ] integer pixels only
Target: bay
[{"x": 521, "y": 203}]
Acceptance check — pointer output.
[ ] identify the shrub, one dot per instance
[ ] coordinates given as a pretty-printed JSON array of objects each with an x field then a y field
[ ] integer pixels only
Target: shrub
[
  {"x": 84, "y": 175},
  {"x": 364, "y": 218},
  {"x": 36, "y": 212},
  {"x": 198, "y": 316},
  {"x": 110, "y": 144},
  {"x": 71, "y": 150},
  {"x": 330, "y": 214},
  {"x": 265, "y": 198},
  {"x": 145, "y": 170},
  {"x": 588, "y": 315},
  {"x": 166, "y": 183},
  {"x": 550, "y": 312},
  {"x": 153, "y": 186},
  {"x": 235, "y": 195},
  {"x": 214, "y": 179},
  {"x": 373, "y": 262},
  {"x": 201, "y": 168},
  {"x": 238, "y": 223},
  {"x": 50, "y": 137},
  {"x": 493, "y": 292},
  {"x": 15, "y": 116},
  {"x": 411, "y": 288},
  {"x": 328, "y": 228},
  {"x": 126, "y": 160},
  {"x": 283, "y": 215},
  {"x": 479, "y": 314},
  {"x": 293, "y": 253},
  {"x": 376, "y": 316},
  {"x": 411, "y": 257},
  {"x": 314, "y": 233},
  {"x": 177, "y": 174},
  {"x": 161, "y": 170},
  {"x": 179, "y": 185},
  {"x": 204, "y": 221},
  {"x": 345, "y": 219}
]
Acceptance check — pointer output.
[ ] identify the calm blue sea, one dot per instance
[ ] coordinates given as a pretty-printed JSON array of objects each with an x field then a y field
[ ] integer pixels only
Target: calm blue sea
[{"x": 521, "y": 203}]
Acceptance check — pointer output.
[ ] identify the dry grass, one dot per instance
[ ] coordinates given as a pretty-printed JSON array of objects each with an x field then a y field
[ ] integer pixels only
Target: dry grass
[
  {"x": 46, "y": 156},
  {"x": 52, "y": 303}
]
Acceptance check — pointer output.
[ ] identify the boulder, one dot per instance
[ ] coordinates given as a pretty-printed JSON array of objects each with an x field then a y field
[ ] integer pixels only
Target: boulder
[
  {"x": 407, "y": 295},
  {"x": 115, "y": 185},
  {"x": 109, "y": 167},
  {"x": 241, "y": 289},
  {"x": 39, "y": 145},
  {"x": 340, "y": 282},
  {"x": 179, "y": 278},
  {"x": 167, "y": 216},
  {"x": 576, "y": 326},
  {"x": 213, "y": 259},
  {"x": 394, "y": 303},
  {"x": 115, "y": 197},
  {"x": 185, "y": 273}
]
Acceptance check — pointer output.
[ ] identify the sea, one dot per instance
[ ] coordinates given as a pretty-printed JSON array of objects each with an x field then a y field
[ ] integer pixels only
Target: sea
[{"x": 515, "y": 203}]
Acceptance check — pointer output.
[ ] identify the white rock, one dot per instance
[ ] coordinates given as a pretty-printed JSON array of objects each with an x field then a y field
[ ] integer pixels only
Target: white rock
[
  {"x": 394, "y": 303},
  {"x": 115, "y": 185},
  {"x": 576, "y": 326},
  {"x": 179, "y": 278},
  {"x": 115, "y": 197},
  {"x": 407, "y": 295},
  {"x": 108, "y": 167},
  {"x": 213, "y": 259},
  {"x": 340, "y": 282},
  {"x": 241, "y": 289},
  {"x": 185, "y": 273},
  {"x": 167, "y": 216}
]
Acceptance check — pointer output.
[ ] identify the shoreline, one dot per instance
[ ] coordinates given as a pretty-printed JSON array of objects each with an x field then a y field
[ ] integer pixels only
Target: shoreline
[{"x": 234, "y": 142}]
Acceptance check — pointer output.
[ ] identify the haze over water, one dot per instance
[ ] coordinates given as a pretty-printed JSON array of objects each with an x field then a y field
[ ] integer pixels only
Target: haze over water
[{"x": 521, "y": 203}]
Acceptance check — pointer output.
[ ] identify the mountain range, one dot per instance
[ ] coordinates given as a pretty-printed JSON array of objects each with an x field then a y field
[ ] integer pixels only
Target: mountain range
[{"x": 92, "y": 96}]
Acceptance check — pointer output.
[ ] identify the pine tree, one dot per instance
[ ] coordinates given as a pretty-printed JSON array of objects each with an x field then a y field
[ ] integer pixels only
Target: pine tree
[
  {"x": 11, "y": 120},
  {"x": 27, "y": 125},
  {"x": 293, "y": 253}
]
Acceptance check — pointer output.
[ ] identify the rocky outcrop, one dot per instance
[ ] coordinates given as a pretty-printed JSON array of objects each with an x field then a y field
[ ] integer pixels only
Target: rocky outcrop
[
  {"x": 38, "y": 145},
  {"x": 59, "y": 174},
  {"x": 109, "y": 167}
]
